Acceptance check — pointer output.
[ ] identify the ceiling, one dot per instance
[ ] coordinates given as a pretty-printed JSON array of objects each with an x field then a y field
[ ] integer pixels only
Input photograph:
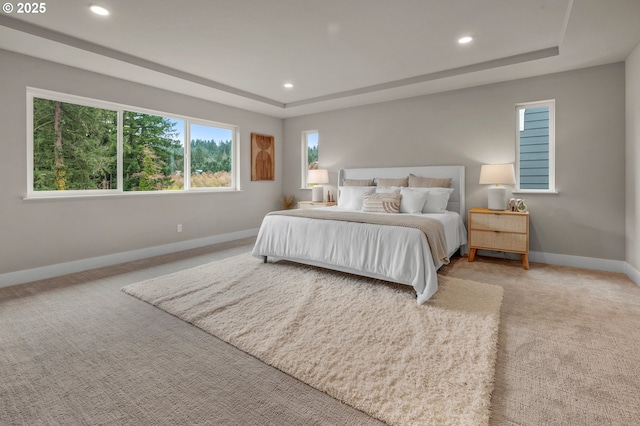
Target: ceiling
[{"x": 337, "y": 53}]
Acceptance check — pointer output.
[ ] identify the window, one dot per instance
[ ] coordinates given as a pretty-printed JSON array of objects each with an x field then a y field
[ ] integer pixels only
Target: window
[
  {"x": 80, "y": 146},
  {"x": 153, "y": 152},
  {"x": 535, "y": 146},
  {"x": 211, "y": 156},
  {"x": 74, "y": 147},
  {"x": 309, "y": 154}
]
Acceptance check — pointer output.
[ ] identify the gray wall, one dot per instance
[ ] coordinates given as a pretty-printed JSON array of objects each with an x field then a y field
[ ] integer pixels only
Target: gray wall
[
  {"x": 633, "y": 159},
  {"x": 469, "y": 127},
  {"x": 46, "y": 232},
  {"x": 476, "y": 126}
]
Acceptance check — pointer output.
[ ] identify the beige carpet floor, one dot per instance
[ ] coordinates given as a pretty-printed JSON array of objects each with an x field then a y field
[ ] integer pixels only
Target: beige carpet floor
[
  {"x": 570, "y": 344},
  {"x": 75, "y": 350},
  {"x": 361, "y": 341}
]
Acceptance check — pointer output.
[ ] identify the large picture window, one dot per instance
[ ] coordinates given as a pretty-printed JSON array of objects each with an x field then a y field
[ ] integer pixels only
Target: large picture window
[
  {"x": 79, "y": 146},
  {"x": 535, "y": 146}
]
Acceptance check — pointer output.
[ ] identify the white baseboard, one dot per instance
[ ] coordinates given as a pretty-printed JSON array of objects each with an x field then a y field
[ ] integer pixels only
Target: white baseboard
[
  {"x": 44, "y": 272},
  {"x": 607, "y": 265},
  {"x": 632, "y": 273},
  {"x": 29, "y": 275}
]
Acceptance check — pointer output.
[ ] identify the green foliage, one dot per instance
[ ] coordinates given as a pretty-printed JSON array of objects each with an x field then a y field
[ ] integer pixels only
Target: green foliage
[
  {"x": 210, "y": 163},
  {"x": 152, "y": 154},
  {"x": 209, "y": 156},
  {"x": 75, "y": 148},
  {"x": 312, "y": 154},
  {"x": 150, "y": 177},
  {"x": 85, "y": 157}
]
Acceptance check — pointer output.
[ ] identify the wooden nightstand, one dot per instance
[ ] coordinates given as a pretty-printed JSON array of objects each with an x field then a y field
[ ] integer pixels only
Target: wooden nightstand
[
  {"x": 500, "y": 231},
  {"x": 315, "y": 204}
]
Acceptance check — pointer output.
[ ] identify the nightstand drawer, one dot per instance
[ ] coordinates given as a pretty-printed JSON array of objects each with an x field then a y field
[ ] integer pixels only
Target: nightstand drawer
[
  {"x": 493, "y": 240},
  {"x": 499, "y": 222}
]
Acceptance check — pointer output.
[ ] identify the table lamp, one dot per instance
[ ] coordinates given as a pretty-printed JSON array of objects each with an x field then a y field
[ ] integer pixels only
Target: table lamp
[
  {"x": 495, "y": 174},
  {"x": 317, "y": 178}
]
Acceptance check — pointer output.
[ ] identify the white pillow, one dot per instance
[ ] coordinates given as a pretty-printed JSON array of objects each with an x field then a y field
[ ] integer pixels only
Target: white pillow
[
  {"x": 351, "y": 197},
  {"x": 387, "y": 189},
  {"x": 413, "y": 200},
  {"x": 437, "y": 200}
]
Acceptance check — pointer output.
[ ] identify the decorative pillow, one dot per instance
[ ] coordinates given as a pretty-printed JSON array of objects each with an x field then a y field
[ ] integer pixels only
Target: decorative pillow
[
  {"x": 351, "y": 197},
  {"x": 392, "y": 182},
  {"x": 382, "y": 203},
  {"x": 357, "y": 182},
  {"x": 413, "y": 200},
  {"x": 387, "y": 189},
  {"x": 427, "y": 182},
  {"x": 437, "y": 200}
]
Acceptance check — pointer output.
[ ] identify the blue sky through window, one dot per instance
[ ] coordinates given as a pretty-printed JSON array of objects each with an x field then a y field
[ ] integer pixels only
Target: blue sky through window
[
  {"x": 178, "y": 125},
  {"x": 312, "y": 140},
  {"x": 206, "y": 133}
]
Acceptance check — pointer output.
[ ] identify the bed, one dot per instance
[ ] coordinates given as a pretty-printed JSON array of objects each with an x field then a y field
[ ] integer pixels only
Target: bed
[{"x": 391, "y": 252}]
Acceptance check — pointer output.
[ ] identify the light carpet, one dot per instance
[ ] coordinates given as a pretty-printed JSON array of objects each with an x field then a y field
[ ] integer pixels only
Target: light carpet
[{"x": 362, "y": 341}]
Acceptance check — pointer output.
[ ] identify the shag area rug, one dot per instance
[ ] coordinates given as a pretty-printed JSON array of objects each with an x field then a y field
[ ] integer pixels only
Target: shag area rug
[{"x": 362, "y": 341}]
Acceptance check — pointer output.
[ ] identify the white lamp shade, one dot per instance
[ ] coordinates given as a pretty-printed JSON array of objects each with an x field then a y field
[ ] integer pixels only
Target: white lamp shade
[
  {"x": 318, "y": 176},
  {"x": 494, "y": 174}
]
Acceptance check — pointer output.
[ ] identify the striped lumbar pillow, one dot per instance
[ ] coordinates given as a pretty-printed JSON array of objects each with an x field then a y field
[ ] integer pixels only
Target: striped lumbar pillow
[{"x": 382, "y": 203}]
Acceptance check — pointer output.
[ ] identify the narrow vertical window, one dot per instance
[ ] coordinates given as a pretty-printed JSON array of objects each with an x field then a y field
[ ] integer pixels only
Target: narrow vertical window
[
  {"x": 535, "y": 146},
  {"x": 309, "y": 154}
]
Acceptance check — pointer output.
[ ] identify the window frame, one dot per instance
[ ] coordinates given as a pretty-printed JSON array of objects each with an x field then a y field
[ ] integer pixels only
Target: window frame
[
  {"x": 305, "y": 156},
  {"x": 551, "y": 103},
  {"x": 235, "y": 154},
  {"x": 119, "y": 109}
]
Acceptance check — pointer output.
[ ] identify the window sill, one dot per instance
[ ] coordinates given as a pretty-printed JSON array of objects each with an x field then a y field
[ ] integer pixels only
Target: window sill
[
  {"x": 134, "y": 194},
  {"x": 524, "y": 191}
]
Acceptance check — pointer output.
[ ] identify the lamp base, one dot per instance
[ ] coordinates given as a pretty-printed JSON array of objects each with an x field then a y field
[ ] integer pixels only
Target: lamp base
[
  {"x": 497, "y": 198},
  {"x": 316, "y": 193}
]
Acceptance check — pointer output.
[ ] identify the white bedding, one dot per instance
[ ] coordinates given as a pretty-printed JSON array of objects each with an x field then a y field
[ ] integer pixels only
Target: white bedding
[{"x": 391, "y": 253}]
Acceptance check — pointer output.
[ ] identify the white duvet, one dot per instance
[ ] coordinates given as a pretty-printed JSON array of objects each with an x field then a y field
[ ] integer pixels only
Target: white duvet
[{"x": 392, "y": 253}]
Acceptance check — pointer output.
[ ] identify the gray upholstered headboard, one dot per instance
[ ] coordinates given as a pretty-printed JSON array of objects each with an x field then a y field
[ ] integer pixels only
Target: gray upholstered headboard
[{"x": 456, "y": 173}]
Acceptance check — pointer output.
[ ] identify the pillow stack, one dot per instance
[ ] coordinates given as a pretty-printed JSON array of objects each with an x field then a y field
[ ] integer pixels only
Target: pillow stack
[{"x": 412, "y": 194}]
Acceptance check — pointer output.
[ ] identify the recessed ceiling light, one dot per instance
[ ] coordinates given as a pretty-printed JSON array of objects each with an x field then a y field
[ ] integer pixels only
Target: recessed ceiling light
[
  {"x": 465, "y": 40},
  {"x": 288, "y": 85},
  {"x": 99, "y": 10}
]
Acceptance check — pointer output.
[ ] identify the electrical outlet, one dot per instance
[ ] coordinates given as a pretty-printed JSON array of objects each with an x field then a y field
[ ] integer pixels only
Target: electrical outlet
[{"x": 179, "y": 227}]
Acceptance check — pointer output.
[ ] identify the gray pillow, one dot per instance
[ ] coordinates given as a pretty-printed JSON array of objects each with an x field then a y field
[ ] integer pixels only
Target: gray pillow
[
  {"x": 392, "y": 181},
  {"x": 428, "y": 182},
  {"x": 358, "y": 182}
]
